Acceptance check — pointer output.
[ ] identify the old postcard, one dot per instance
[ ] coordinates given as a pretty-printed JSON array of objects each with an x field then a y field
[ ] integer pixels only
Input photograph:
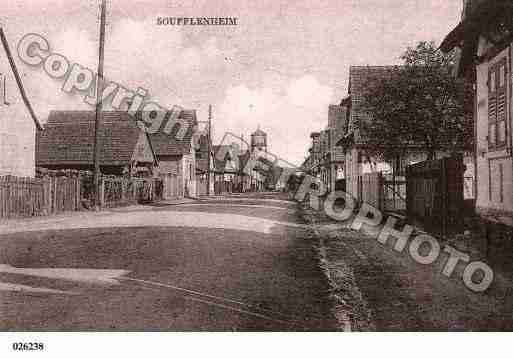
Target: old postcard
[{"x": 256, "y": 166}]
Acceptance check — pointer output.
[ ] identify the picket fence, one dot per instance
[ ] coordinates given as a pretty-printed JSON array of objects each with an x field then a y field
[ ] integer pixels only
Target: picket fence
[
  {"x": 30, "y": 197},
  {"x": 27, "y": 197}
]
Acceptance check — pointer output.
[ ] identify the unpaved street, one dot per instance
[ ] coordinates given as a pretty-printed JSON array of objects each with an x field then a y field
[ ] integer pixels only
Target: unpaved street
[
  {"x": 253, "y": 262},
  {"x": 218, "y": 264},
  {"x": 389, "y": 291}
]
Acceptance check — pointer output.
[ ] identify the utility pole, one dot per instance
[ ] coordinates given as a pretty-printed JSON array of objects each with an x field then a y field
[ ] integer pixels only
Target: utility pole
[
  {"x": 98, "y": 119},
  {"x": 209, "y": 147}
]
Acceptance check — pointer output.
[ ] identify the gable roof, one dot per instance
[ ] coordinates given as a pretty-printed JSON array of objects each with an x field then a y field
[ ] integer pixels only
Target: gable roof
[
  {"x": 68, "y": 139},
  {"x": 18, "y": 80},
  {"x": 360, "y": 78},
  {"x": 478, "y": 17},
  {"x": 232, "y": 153},
  {"x": 202, "y": 148},
  {"x": 337, "y": 121},
  {"x": 168, "y": 144}
]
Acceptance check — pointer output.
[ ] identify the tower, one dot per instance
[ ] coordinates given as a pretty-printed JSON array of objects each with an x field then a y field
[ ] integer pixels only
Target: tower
[{"x": 259, "y": 140}]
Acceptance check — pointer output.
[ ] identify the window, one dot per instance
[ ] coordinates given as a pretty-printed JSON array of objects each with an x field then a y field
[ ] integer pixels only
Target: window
[{"x": 497, "y": 105}]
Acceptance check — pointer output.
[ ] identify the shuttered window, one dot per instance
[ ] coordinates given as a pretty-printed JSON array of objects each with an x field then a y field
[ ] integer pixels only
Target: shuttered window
[{"x": 497, "y": 105}]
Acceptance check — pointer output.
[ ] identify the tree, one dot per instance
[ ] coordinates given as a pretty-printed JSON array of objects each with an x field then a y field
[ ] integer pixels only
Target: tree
[{"x": 420, "y": 106}]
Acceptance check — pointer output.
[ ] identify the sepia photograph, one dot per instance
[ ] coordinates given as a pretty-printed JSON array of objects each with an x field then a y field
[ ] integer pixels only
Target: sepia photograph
[{"x": 183, "y": 171}]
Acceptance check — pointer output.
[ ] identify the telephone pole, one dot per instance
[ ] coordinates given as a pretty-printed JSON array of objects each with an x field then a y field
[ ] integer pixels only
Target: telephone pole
[
  {"x": 209, "y": 147},
  {"x": 98, "y": 119}
]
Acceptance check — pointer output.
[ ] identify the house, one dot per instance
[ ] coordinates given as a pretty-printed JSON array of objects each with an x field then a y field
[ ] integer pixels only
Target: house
[
  {"x": 331, "y": 159},
  {"x": 67, "y": 142},
  {"x": 338, "y": 118},
  {"x": 315, "y": 154},
  {"x": 235, "y": 174},
  {"x": 18, "y": 123},
  {"x": 255, "y": 176},
  {"x": 357, "y": 159},
  {"x": 484, "y": 43},
  {"x": 227, "y": 172},
  {"x": 177, "y": 157},
  {"x": 205, "y": 167}
]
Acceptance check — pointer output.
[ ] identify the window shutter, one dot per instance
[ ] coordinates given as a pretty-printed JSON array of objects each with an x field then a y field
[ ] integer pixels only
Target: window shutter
[
  {"x": 492, "y": 105},
  {"x": 501, "y": 103},
  {"x": 497, "y": 104},
  {"x": 501, "y": 117}
]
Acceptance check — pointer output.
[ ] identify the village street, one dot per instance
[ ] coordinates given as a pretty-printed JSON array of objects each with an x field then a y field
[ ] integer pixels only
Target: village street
[
  {"x": 238, "y": 262},
  {"x": 389, "y": 291},
  {"x": 216, "y": 264}
]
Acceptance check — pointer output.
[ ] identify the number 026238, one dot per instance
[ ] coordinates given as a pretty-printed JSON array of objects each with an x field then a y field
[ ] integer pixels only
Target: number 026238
[{"x": 18, "y": 346}]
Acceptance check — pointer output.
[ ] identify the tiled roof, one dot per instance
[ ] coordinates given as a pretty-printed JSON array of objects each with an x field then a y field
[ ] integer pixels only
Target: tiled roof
[
  {"x": 360, "y": 79},
  {"x": 362, "y": 76},
  {"x": 68, "y": 139},
  {"x": 337, "y": 121},
  {"x": 479, "y": 16},
  {"x": 202, "y": 150},
  {"x": 219, "y": 151},
  {"x": 167, "y": 144}
]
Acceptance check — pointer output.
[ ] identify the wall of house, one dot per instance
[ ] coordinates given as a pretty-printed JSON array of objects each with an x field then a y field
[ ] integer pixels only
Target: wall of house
[
  {"x": 183, "y": 166},
  {"x": 494, "y": 173},
  {"x": 17, "y": 129},
  {"x": 169, "y": 164},
  {"x": 352, "y": 171},
  {"x": 189, "y": 174}
]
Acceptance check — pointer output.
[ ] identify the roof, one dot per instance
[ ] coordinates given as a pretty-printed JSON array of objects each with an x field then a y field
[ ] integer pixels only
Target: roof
[
  {"x": 168, "y": 144},
  {"x": 222, "y": 154},
  {"x": 476, "y": 14},
  {"x": 201, "y": 164},
  {"x": 479, "y": 16},
  {"x": 360, "y": 79},
  {"x": 337, "y": 121},
  {"x": 68, "y": 138},
  {"x": 258, "y": 132},
  {"x": 360, "y": 76},
  {"x": 18, "y": 80}
]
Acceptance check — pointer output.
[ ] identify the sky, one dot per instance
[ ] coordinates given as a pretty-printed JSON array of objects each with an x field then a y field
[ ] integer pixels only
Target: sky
[{"x": 279, "y": 68}]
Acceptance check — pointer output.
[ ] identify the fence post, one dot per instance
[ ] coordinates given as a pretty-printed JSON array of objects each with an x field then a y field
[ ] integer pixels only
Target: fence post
[
  {"x": 102, "y": 192},
  {"x": 123, "y": 189},
  {"x": 78, "y": 194},
  {"x": 381, "y": 192}
]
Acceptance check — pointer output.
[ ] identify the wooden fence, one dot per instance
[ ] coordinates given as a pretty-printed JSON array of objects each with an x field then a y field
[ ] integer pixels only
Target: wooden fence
[
  {"x": 123, "y": 191},
  {"x": 371, "y": 189},
  {"x": 26, "y": 197},
  {"x": 394, "y": 193},
  {"x": 382, "y": 191},
  {"x": 435, "y": 194},
  {"x": 29, "y": 197},
  {"x": 172, "y": 186}
]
